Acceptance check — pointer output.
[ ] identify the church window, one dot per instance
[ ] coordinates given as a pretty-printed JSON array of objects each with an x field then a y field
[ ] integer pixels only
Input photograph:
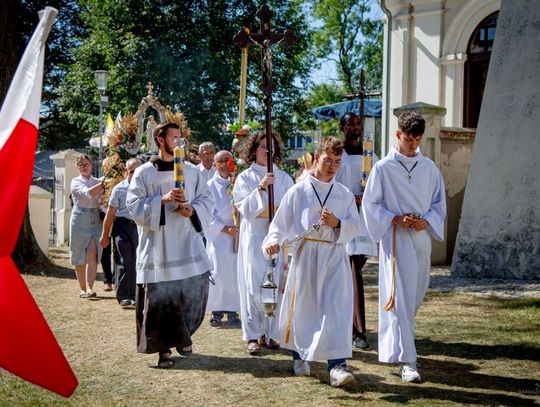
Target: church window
[{"x": 476, "y": 68}]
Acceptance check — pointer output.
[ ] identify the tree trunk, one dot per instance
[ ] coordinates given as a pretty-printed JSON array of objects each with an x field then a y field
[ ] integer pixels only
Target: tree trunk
[{"x": 27, "y": 253}]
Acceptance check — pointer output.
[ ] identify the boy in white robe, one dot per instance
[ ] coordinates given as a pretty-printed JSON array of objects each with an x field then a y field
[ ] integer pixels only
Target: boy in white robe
[
  {"x": 361, "y": 247},
  {"x": 251, "y": 200},
  {"x": 173, "y": 268},
  {"x": 223, "y": 297},
  {"x": 404, "y": 204},
  {"x": 315, "y": 321}
]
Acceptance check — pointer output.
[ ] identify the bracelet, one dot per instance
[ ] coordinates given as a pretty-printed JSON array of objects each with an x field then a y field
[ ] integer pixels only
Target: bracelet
[
  {"x": 261, "y": 188},
  {"x": 338, "y": 224}
]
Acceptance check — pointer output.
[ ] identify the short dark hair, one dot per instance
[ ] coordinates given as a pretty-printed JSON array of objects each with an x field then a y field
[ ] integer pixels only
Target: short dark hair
[
  {"x": 162, "y": 129},
  {"x": 249, "y": 152},
  {"x": 411, "y": 123},
  {"x": 332, "y": 144},
  {"x": 345, "y": 118}
]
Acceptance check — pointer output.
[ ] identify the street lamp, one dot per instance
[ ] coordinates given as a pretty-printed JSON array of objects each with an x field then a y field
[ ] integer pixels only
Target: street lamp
[{"x": 101, "y": 81}]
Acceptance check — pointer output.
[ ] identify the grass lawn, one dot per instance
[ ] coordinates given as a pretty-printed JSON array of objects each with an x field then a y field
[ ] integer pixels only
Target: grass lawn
[{"x": 472, "y": 351}]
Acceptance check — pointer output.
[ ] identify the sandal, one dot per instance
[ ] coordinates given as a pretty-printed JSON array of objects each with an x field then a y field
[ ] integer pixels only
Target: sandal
[
  {"x": 165, "y": 361},
  {"x": 185, "y": 351},
  {"x": 272, "y": 345}
]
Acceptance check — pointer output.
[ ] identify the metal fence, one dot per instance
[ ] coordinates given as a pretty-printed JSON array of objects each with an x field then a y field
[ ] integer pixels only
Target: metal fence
[{"x": 46, "y": 179}]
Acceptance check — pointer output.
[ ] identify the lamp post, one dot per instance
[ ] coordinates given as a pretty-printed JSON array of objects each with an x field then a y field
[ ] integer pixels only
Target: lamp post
[{"x": 102, "y": 77}]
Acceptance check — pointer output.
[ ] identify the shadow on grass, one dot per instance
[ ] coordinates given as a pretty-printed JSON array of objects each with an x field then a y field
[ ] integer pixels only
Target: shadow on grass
[
  {"x": 463, "y": 350},
  {"x": 408, "y": 393},
  {"x": 52, "y": 270},
  {"x": 447, "y": 373},
  {"x": 455, "y": 374},
  {"x": 517, "y": 303},
  {"x": 258, "y": 366}
]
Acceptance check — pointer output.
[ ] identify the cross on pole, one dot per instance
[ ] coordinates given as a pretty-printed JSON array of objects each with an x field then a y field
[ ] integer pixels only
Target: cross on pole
[
  {"x": 264, "y": 39},
  {"x": 362, "y": 94}
]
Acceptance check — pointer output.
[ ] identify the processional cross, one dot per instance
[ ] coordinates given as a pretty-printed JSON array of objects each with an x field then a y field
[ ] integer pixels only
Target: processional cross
[
  {"x": 362, "y": 94},
  {"x": 264, "y": 39}
]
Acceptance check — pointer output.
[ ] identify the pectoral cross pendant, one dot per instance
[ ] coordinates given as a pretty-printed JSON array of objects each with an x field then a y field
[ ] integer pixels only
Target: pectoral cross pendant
[{"x": 409, "y": 176}]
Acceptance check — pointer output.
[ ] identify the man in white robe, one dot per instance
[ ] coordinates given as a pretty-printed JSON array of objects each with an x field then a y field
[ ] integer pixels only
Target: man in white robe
[
  {"x": 315, "y": 321},
  {"x": 251, "y": 199},
  {"x": 223, "y": 297},
  {"x": 404, "y": 201},
  {"x": 173, "y": 268},
  {"x": 361, "y": 247}
]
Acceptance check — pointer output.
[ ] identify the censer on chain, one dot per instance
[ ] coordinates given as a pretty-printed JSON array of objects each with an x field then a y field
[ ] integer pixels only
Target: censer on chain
[{"x": 269, "y": 303}]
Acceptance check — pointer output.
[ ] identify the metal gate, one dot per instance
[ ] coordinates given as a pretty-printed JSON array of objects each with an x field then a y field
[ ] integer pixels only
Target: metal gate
[{"x": 46, "y": 179}]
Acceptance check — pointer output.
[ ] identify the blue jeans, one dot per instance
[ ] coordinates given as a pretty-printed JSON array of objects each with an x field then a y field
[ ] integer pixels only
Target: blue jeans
[{"x": 331, "y": 362}]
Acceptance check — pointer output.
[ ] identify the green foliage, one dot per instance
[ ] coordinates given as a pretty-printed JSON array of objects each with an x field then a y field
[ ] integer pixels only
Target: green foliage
[
  {"x": 349, "y": 30},
  {"x": 55, "y": 130},
  {"x": 186, "y": 50},
  {"x": 325, "y": 94}
]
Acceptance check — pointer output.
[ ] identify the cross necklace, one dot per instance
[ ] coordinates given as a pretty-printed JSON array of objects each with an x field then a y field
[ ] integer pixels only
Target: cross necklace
[
  {"x": 409, "y": 176},
  {"x": 319, "y": 199}
]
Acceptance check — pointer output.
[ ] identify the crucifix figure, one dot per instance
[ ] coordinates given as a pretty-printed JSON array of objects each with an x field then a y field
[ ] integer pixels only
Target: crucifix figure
[{"x": 264, "y": 39}]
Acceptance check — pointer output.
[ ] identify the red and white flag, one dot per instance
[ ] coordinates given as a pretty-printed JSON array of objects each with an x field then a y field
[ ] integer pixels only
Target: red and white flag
[{"x": 28, "y": 348}]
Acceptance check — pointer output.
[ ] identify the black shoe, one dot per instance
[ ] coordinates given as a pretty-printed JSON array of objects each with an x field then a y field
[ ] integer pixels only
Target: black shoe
[
  {"x": 234, "y": 320},
  {"x": 360, "y": 342},
  {"x": 215, "y": 321},
  {"x": 125, "y": 303}
]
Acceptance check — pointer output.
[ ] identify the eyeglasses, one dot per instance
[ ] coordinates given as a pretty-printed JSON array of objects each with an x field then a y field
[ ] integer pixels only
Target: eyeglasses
[
  {"x": 328, "y": 162},
  {"x": 221, "y": 161}
]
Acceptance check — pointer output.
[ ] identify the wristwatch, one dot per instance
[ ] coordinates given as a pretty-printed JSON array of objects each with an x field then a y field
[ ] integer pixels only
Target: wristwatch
[
  {"x": 338, "y": 224},
  {"x": 261, "y": 188}
]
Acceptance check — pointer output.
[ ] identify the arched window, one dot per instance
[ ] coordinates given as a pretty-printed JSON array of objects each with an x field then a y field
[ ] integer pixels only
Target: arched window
[{"x": 476, "y": 68}]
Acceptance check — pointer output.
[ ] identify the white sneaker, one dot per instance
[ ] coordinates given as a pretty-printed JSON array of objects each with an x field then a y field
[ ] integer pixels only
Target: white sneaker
[
  {"x": 301, "y": 367},
  {"x": 409, "y": 372},
  {"x": 340, "y": 376}
]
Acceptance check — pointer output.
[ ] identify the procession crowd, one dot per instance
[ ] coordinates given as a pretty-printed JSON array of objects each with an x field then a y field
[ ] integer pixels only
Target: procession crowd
[{"x": 295, "y": 283}]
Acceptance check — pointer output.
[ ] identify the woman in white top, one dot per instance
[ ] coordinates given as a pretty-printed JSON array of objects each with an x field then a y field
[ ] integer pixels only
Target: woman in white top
[{"x": 85, "y": 226}]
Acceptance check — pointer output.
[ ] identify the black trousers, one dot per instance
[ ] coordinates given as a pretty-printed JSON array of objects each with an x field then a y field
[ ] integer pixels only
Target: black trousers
[
  {"x": 126, "y": 240},
  {"x": 106, "y": 259},
  {"x": 359, "y": 315}
]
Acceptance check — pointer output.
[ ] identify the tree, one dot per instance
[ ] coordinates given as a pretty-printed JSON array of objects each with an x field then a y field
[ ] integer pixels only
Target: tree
[
  {"x": 323, "y": 94},
  {"x": 349, "y": 30},
  {"x": 186, "y": 50}
]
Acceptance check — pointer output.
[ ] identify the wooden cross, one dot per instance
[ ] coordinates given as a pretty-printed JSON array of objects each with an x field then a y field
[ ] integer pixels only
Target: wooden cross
[
  {"x": 362, "y": 94},
  {"x": 264, "y": 39}
]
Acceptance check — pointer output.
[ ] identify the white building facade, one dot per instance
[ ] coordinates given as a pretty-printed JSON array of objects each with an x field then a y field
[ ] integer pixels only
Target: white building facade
[{"x": 427, "y": 44}]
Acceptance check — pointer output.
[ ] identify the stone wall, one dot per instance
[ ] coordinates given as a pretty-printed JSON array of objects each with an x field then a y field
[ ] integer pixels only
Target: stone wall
[{"x": 499, "y": 231}]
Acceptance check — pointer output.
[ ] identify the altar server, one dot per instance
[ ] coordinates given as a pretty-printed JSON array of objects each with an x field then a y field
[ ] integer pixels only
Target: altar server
[
  {"x": 315, "y": 321},
  {"x": 223, "y": 297},
  {"x": 404, "y": 206}
]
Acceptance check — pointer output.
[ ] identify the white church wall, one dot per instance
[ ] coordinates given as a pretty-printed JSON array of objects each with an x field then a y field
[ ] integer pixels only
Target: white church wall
[{"x": 428, "y": 51}]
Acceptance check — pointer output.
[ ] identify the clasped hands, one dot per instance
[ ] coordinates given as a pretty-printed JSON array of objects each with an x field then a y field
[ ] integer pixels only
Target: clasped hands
[
  {"x": 410, "y": 222},
  {"x": 178, "y": 196}
]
